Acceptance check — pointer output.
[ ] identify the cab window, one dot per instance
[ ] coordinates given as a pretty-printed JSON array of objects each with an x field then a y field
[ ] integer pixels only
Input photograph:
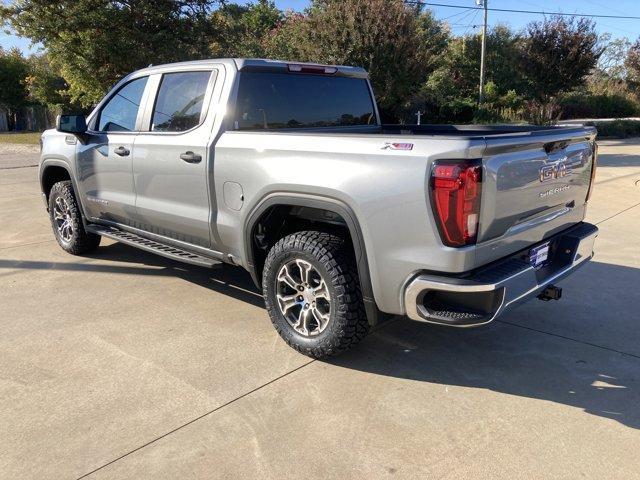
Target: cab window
[
  {"x": 288, "y": 100},
  {"x": 120, "y": 112},
  {"x": 180, "y": 100}
]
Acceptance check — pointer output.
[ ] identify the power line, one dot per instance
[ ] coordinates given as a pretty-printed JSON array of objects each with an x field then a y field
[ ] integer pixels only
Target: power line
[
  {"x": 470, "y": 14},
  {"x": 534, "y": 12},
  {"x": 456, "y": 14},
  {"x": 473, "y": 19}
]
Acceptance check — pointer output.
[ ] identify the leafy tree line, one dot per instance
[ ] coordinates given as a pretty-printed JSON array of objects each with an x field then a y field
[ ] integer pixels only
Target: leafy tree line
[{"x": 555, "y": 66}]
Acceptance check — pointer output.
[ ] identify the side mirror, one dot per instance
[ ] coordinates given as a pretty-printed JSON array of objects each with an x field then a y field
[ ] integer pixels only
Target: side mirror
[{"x": 71, "y": 124}]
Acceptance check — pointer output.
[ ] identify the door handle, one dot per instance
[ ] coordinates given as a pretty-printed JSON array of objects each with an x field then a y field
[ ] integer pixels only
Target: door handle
[
  {"x": 123, "y": 152},
  {"x": 191, "y": 157}
]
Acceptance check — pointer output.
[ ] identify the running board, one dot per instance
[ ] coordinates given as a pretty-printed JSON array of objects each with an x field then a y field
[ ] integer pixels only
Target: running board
[{"x": 168, "y": 251}]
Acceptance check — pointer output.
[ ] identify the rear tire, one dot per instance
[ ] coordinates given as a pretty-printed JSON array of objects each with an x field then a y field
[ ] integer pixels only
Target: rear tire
[
  {"x": 66, "y": 221},
  {"x": 312, "y": 293}
]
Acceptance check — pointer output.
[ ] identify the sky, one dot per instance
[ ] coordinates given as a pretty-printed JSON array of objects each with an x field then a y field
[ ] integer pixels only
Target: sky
[{"x": 467, "y": 21}]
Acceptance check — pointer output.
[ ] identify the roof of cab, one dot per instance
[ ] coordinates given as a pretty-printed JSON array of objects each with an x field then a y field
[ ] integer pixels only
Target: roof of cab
[{"x": 250, "y": 64}]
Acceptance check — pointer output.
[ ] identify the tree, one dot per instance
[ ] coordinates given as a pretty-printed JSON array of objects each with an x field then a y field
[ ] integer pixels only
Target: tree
[
  {"x": 95, "y": 42},
  {"x": 450, "y": 93},
  {"x": 614, "y": 52},
  {"x": 243, "y": 29},
  {"x": 46, "y": 86},
  {"x": 288, "y": 39},
  {"x": 399, "y": 45},
  {"x": 608, "y": 78},
  {"x": 463, "y": 61},
  {"x": 632, "y": 64},
  {"x": 13, "y": 71},
  {"x": 557, "y": 55},
  {"x": 13, "y": 93}
]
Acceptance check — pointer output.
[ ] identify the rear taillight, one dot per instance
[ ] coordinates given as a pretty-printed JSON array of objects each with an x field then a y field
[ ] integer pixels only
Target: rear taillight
[
  {"x": 455, "y": 195},
  {"x": 594, "y": 166}
]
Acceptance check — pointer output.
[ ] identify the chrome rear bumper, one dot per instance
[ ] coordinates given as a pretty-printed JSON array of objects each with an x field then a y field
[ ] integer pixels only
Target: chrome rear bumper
[{"x": 479, "y": 297}]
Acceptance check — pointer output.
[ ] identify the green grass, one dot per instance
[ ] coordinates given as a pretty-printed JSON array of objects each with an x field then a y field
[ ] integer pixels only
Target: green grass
[{"x": 32, "y": 138}]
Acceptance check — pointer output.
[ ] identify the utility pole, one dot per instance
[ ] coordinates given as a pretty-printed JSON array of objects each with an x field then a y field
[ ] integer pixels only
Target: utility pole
[{"x": 483, "y": 3}]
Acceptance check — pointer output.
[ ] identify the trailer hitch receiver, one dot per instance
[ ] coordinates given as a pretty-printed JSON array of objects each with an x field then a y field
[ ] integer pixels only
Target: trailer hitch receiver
[{"x": 551, "y": 292}]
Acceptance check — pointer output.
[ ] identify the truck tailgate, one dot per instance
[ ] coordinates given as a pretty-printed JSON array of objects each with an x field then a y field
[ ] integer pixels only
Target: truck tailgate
[{"x": 533, "y": 186}]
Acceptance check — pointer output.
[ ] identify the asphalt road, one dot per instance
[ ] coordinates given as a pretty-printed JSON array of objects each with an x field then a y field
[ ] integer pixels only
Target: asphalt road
[{"x": 126, "y": 365}]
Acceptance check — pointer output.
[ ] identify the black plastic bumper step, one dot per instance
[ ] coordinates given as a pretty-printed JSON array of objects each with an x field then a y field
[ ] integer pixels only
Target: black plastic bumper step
[{"x": 153, "y": 246}]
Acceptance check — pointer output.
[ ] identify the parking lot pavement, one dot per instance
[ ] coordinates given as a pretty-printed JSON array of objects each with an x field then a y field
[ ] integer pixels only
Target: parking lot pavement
[{"x": 127, "y": 365}]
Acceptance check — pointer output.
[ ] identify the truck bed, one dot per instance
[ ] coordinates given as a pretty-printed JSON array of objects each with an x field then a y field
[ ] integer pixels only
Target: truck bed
[
  {"x": 474, "y": 131},
  {"x": 467, "y": 132}
]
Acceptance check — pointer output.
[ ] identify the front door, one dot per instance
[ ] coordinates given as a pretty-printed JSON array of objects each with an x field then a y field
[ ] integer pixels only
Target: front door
[
  {"x": 104, "y": 160},
  {"x": 171, "y": 159}
]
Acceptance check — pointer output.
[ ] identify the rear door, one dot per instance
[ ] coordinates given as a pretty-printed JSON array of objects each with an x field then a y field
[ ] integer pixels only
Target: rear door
[
  {"x": 104, "y": 160},
  {"x": 171, "y": 161},
  {"x": 534, "y": 185}
]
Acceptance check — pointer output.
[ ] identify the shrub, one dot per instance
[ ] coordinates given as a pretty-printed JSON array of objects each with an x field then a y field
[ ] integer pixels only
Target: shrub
[
  {"x": 605, "y": 105},
  {"x": 617, "y": 128},
  {"x": 541, "y": 113},
  {"x": 458, "y": 110}
]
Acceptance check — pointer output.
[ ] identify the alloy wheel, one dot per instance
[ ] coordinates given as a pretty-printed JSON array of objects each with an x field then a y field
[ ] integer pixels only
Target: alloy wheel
[
  {"x": 303, "y": 297},
  {"x": 63, "y": 220}
]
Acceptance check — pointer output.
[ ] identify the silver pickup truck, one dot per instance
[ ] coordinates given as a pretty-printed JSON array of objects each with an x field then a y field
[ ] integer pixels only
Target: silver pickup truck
[{"x": 285, "y": 170}]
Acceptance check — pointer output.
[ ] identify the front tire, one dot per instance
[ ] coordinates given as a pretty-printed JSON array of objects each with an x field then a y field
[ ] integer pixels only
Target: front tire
[
  {"x": 66, "y": 221},
  {"x": 312, "y": 293}
]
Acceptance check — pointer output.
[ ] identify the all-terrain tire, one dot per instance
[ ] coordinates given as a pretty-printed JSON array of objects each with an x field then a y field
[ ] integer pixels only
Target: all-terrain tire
[
  {"x": 333, "y": 261},
  {"x": 78, "y": 240}
]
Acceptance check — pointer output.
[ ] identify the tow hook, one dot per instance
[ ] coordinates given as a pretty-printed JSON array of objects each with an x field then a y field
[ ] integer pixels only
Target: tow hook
[{"x": 550, "y": 293}]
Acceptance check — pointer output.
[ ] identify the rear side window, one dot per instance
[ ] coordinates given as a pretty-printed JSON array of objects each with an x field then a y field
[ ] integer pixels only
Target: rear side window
[
  {"x": 179, "y": 103},
  {"x": 120, "y": 112},
  {"x": 281, "y": 100}
]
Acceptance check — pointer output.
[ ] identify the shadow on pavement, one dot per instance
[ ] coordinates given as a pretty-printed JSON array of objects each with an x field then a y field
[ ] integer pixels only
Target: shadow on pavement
[
  {"x": 226, "y": 279},
  {"x": 502, "y": 357},
  {"x": 514, "y": 357},
  {"x": 506, "y": 359},
  {"x": 618, "y": 160}
]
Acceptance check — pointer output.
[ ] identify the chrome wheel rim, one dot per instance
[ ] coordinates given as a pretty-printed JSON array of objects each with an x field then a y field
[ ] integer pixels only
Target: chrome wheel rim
[
  {"x": 303, "y": 297},
  {"x": 62, "y": 219}
]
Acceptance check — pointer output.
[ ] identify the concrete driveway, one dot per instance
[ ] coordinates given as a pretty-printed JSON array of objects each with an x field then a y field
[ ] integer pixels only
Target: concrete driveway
[{"x": 128, "y": 366}]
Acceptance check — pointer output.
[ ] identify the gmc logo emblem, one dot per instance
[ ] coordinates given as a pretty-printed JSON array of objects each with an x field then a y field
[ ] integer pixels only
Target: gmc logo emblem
[{"x": 550, "y": 172}]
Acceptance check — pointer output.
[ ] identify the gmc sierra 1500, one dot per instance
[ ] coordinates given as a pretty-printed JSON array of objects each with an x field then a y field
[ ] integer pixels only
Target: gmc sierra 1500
[{"x": 285, "y": 170}]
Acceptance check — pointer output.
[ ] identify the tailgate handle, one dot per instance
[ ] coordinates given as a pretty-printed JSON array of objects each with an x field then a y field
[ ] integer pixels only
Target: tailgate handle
[{"x": 555, "y": 146}]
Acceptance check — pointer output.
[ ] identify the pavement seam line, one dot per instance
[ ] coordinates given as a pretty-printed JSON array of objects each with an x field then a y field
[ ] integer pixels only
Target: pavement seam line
[
  {"x": 26, "y": 244},
  {"x": 20, "y": 183},
  {"x": 20, "y": 166},
  {"x": 373, "y": 330},
  {"x": 619, "y": 213},
  {"x": 196, "y": 419},
  {"x": 564, "y": 337}
]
